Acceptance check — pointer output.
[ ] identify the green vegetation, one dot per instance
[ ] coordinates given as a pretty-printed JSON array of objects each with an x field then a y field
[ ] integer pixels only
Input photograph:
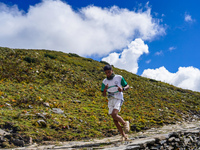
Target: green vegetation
[{"x": 33, "y": 82}]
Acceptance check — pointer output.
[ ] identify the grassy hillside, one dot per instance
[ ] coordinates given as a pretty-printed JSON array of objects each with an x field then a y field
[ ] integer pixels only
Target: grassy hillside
[{"x": 35, "y": 82}]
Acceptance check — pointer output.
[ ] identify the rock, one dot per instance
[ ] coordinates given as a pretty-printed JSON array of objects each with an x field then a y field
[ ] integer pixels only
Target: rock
[
  {"x": 191, "y": 139},
  {"x": 177, "y": 140},
  {"x": 170, "y": 147},
  {"x": 161, "y": 137},
  {"x": 198, "y": 143},
  {"x": 30, "y": 107},
  {"x": 18, "y": 142},
  {"x": 186, "y": 141},
  {"x": 163, "y": 142},
  {"x": 57, "y": 111},
  {"x": 143, "y": 141},
  {"x": 46, "y": 104},
  {"x": 136, "y": 147},
  {"x": 42, "y": 123},
  {"x": 39, "y": 115},
  {"x": 8, "y": 106},
  {"x": 2, "y": 132},
  {"x": 2, "y": 139},
  {"x": 171, "y": 139},
  {"x": 28, "y": 140},
  {"x": 155, "y": 147},
  {"x": 191, "y": 132},
  {"x": 174, "y": 134}
]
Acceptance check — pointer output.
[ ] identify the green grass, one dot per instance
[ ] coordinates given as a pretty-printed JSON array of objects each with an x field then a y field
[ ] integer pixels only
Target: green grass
[{"x": 30, "y": 78}]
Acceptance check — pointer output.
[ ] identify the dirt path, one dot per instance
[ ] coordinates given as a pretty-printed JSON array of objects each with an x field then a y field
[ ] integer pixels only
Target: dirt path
[{"x": 114, "y": 142}]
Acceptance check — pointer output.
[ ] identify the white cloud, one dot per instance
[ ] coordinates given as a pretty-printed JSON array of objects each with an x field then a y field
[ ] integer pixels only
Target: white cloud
[
  {"x": 148, "y": 61},
  {"x": 172, "y": 48},
  {"x": 159, "y": 53},
  {"x": 185, "y": 77},
  {"x": 188, "y": 18},
  {"x": 53, "y": 24},
  {"x": 128, "y": 58}
]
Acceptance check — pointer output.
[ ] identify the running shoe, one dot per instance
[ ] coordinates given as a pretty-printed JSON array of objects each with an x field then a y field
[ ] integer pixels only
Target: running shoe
[{"x": 126, "y": 127}]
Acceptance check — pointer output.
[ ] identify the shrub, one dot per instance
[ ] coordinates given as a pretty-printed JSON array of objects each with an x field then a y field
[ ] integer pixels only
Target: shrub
[
  {"x": 50, "y": 56},
  {"x": 104, "y": 62},
  {"x": 73, "y": 55},
  {"x": 30, "y": 60}
]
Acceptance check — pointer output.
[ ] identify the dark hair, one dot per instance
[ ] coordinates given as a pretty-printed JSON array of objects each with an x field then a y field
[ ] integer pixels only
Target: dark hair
[{"x": 107, "y": 67}]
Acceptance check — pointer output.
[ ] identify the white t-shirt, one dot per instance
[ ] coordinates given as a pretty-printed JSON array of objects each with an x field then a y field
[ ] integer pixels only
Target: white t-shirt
[{"x": 113, "y": 84}]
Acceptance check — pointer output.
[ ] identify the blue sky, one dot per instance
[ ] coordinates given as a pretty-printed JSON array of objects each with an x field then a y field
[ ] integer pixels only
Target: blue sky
[{"x": 155, "y": 39}]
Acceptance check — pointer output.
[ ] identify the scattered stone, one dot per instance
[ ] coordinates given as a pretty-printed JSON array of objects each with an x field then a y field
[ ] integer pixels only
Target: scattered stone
[
  {"x": 161, "y": 137},
  {"x": 57, "y": 111},
  {"x": 18, "y": 142},
  {"x": 8, "y": 106},
  {"x": 30, "y": 107},
  {"x": 191, "y": 139},
  {"x": 171, "y": 139},
  {"x": 174, "y": 134},
  {"x": 42, "y": 123},
  {"x": 2, "y": 139},
  {"x": 2, "y": 132},
  {"x": 163, "y": 142},
  {"x": 39, "y": 115},
  {"x": 46, "y": 104},
  {"x": 132, "y": 147}
]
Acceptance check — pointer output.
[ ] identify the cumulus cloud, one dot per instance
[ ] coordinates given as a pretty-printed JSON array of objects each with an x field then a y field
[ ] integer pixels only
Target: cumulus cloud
[
  {"x": 188, "y": 18},
  {"x": 185, "y": 77},
  {"x": 128, "y": 58},
  {"x": 54, "y": 25}
]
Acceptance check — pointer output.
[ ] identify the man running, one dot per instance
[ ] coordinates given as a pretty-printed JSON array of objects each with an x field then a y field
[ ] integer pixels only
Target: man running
[{"x": 113, "y": 87}]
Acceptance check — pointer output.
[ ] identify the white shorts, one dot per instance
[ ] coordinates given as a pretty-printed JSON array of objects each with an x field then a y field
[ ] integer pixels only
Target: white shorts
[{"x": 114, "y": 104}]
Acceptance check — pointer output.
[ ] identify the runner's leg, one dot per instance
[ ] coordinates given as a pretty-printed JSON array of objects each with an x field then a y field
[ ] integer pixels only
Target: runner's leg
[{"x": 117, "y": 119}]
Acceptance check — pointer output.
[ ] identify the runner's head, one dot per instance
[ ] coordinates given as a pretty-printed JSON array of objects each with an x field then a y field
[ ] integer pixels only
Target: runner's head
[{"x": 108, "y": 70}]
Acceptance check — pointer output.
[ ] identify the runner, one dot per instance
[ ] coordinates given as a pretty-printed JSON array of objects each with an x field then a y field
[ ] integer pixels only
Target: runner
[{"x": 113, "y": 87}]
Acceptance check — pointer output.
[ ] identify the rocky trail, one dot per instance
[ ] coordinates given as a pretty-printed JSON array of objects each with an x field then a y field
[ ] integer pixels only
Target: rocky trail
[{"x": 180, "y": 136}]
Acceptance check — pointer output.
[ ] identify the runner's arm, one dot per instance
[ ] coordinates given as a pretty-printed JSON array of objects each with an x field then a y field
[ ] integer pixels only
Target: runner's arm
[
  {"x": 104, "y": 89},
  {"x": 126, "y": 87}
]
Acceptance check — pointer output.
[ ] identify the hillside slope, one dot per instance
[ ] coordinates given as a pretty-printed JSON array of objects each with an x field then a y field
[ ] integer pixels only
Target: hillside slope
[{"x": 49, "y": 95}]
